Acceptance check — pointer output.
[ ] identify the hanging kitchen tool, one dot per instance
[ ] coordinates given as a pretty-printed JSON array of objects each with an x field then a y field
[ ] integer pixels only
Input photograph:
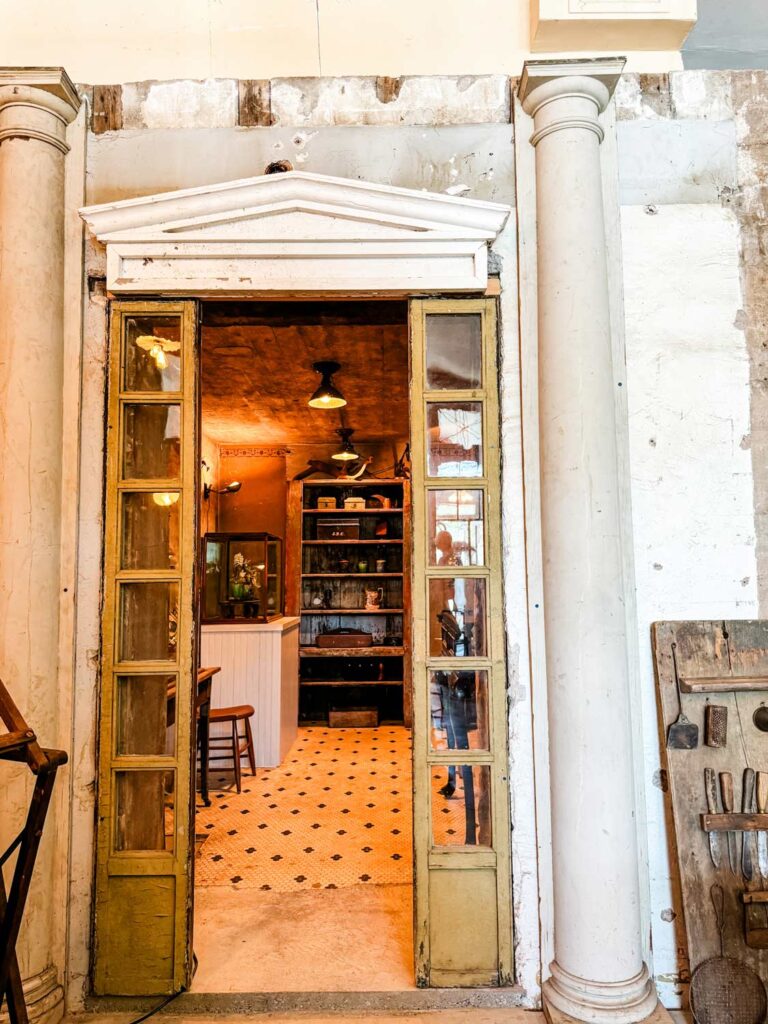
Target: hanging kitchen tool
[
  {"x": 682, "y": 734},
  {"x": 726, "y": 794},
  {"x": 762, "y": 836},
  {"x": 748, "y": 839},
  {"x": 710, "y": 784},
  {"x": 725, "y": 990},
  {"x": 715, "y": 725}
]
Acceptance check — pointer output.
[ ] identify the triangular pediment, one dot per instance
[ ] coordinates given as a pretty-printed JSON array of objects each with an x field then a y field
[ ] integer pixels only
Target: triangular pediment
[{"x": 231, "y": 227}]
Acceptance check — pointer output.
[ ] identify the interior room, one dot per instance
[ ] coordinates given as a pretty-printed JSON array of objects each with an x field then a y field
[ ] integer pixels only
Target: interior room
[{"x": 304, "y": 869}]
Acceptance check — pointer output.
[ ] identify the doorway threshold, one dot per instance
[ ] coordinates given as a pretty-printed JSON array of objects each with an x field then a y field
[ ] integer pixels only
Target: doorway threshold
[{"x": 331, "y": 1003}]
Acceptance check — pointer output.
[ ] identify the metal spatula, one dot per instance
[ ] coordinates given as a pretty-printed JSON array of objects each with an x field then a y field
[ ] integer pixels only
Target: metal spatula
[{"x": 682, "y": 734}]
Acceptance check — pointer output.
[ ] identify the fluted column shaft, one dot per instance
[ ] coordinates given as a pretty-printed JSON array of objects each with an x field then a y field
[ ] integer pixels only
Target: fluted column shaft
[{"x": 598, "y": 973}]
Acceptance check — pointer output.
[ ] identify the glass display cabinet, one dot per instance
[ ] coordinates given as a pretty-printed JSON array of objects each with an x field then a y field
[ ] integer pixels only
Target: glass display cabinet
[{"x": 242, "y": 577}]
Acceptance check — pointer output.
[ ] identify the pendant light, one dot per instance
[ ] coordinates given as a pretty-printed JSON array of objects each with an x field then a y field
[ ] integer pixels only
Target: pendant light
[
  {"x": 327, "y": 396},
  {"x": 346, "y": 452}
]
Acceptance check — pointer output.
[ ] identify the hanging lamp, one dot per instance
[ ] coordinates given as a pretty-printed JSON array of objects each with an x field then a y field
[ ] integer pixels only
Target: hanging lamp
[
  {"x": 327, "y": 396},
  {"x": 346, "y": 452}
]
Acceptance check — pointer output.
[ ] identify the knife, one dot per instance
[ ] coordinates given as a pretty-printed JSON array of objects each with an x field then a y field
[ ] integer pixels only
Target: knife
[
  {"x": 748, "y": 842},
  {"x": 762, "y": 835},
  {"x": 726, "y": 792},
  {"x": 710, "y": 783}
]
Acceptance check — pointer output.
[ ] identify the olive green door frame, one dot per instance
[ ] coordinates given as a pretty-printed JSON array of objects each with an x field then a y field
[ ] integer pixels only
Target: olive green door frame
[
  {"x": 144, "y": 862},
  {"x": 462, "y": 854},
  {"x": 143, "y": 904}
]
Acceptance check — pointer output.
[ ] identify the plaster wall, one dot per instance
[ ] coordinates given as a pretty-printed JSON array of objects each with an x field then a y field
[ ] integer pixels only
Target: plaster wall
[
  {"x": 684, "y": 164},
  {"x": 236, "y": 38}
]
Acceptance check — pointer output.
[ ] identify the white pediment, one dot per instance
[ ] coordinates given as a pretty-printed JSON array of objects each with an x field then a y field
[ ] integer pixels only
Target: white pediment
[{"x": 295, "y": 232}]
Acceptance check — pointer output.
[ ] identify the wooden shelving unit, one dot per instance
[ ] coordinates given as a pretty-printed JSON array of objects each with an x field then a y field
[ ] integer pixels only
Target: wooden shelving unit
[{"x": 314, "y": 573}]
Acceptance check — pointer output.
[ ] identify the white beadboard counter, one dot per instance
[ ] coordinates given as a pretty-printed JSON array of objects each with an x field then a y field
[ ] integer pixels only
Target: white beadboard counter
[{"x": 259, "y": 666}]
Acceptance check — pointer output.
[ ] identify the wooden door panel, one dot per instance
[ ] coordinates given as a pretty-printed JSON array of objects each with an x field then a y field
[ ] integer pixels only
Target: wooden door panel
[{"x": 146, "y": 726}]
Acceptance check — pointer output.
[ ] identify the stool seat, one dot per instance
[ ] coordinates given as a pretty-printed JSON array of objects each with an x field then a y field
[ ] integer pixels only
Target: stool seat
[
  {"x": 224, "y": 748},
  {"x": 231, "y": 714}
]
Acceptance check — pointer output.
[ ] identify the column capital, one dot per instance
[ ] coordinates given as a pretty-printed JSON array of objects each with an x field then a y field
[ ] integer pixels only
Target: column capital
[
  {"x": 37, "y": 103},
  {"x": 584, "y": 88}
]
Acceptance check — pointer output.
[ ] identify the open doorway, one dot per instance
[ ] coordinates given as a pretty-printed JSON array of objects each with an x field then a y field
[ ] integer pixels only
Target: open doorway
[{"x": 304, "y": 864}]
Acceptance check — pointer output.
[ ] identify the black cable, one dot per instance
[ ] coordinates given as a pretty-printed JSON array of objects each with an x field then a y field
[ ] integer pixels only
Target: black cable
[{"x": 151, "y": 1013}]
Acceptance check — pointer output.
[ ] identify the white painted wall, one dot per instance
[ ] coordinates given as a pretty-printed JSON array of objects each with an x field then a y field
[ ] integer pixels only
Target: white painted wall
[
  {"x": 688, "y": 381},
  {"x": 135, "y": 40}
]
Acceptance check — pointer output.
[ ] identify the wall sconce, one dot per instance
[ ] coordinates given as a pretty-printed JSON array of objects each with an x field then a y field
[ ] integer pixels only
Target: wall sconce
[
  {"x": 229, "y": 489},
  {"x": 327, "y": 396}
]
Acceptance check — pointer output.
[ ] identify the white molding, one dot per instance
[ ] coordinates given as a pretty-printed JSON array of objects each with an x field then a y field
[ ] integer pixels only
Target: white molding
[{"x": 296, "y": 232}]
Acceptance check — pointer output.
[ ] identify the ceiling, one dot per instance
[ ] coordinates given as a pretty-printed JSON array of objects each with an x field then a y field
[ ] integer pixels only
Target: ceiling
[{"x": 257, "y": 371}]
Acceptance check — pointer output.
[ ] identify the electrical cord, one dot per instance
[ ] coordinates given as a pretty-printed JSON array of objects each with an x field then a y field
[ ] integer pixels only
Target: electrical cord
[{"x": 160, "y": 1006}]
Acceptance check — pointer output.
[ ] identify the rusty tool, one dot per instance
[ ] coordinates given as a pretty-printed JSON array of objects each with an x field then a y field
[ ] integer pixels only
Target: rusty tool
[
  {"x": 725, "y": 990},
  {"x": 726, "y": 794},
  {"x": 749, "y": 839},
  {"x": 710, "y": 784},
  {"x": 715, "y": 725},
  {"x": 682, "y": 734}
]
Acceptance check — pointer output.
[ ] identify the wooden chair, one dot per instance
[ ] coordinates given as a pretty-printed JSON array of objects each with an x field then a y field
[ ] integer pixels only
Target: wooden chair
[{"x": 234, "y": 745}]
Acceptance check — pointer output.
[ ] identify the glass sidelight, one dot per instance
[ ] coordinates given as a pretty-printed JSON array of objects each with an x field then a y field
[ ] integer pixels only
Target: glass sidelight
[
  {"x": 146, "y": 723},
  {"x": 461, "y": 817}
]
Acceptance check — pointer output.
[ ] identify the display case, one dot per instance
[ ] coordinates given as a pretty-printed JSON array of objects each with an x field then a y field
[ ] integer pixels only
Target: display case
[{"x": 242, "y": 577}]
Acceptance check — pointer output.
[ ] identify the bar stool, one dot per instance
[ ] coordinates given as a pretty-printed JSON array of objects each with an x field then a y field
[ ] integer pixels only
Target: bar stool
[{"x": 236, "y": 745}]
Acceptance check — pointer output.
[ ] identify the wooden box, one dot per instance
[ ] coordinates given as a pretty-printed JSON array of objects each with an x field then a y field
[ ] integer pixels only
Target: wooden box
[
  {"x": 342, "y": 638},
  {"x": 339, "y": 529},
  {"x": 353, "y": 718},
  {"x": 326, "y": 503}
]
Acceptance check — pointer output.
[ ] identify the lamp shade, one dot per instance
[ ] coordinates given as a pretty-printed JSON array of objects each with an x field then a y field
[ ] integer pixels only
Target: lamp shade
[
  {"x": 326, "y": 396},
  {"x": 346, "y": 452}
]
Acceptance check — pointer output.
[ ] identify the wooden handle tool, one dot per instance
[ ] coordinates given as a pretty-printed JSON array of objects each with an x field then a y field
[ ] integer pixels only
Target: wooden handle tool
[
  {"x": 726, "y": 795},
  {"x": 762, "y": 837}
]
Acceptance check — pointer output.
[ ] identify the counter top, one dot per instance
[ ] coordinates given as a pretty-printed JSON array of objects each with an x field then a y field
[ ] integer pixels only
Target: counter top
[{"x": 284, "y": 624}]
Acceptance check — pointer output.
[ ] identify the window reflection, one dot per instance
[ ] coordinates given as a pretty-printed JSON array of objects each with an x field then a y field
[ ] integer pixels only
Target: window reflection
[
  {"x": 152, "y": 353},
  {"x": 455, "y": 439},
  {"x": 456, "y": 528},
  {"x": 461, "y": 805},
  {"x": 458, "y": 703},
  {"x": 152, "y": 442},
  {"x": 454, "y": 351},
  {"x": 144, "y": 810},
  {"x": 457, "y": 626}
]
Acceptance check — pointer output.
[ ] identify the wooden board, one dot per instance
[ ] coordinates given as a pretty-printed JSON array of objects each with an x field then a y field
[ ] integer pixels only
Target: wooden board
[{"x": 707, "y": 650}]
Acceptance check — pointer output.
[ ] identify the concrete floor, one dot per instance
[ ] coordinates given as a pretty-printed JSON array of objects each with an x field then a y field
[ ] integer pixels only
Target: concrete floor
[{"x": 357, "y": 939}]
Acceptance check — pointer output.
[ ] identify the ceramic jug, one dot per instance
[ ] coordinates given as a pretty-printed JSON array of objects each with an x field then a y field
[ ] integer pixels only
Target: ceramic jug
[{"x": 373, "y": 598}]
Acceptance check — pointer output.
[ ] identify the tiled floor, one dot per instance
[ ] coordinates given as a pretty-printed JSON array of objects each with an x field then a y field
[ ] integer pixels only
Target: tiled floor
[{"x": 336, "y": 813}]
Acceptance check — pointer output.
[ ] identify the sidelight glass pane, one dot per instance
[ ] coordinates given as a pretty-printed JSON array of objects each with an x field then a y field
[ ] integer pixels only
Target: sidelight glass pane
[
  {"x": 152, "y": 353},
  {"x": 454, "y": 439},
  {"x": 151, "y": 440},
  {"x": 456, "y": 527},
  {"x": 146, "y": 715},
  {"x": 150, "y": 530},
  {"x": 457, "y": 620},
  {"x": 148, "y": 621},
  {"x": 454, "y": 351},
  {"x": 144, "y": 810},
  {"x": 461, "y": 805},
  {"x": 458, "y": 704}
]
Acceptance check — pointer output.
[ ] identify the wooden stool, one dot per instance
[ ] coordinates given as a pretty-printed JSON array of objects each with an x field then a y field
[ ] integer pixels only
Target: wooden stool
[{"x": 238, "y": 745}]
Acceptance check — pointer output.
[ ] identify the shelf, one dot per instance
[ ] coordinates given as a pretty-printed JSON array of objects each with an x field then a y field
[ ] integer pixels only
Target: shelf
[
  {"x": 352, "y": 511},
  {"x": 349, "y": 575},
  {"x": 723, "y": 684},
  {"x": 350, "y": 652},
  {"x": 352, "y": 611},
  {"x": 316, "y": 543},
  {"x": 371, "y": 481},
  {"x": 351, "y": 682}
]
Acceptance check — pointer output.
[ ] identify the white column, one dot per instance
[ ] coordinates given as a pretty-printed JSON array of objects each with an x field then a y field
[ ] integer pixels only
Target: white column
[
  {"x": 598, "y": 973},
  {"x": 36, "y": 105}
]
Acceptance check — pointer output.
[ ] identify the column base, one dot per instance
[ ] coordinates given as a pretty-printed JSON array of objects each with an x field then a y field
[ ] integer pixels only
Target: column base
[
  {"x": 44, "y": 997},
  {"x": 568, "y": 998}
]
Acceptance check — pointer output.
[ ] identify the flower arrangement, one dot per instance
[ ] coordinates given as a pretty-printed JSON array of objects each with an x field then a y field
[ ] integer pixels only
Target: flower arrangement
[{"x": 245, "y": 579}]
